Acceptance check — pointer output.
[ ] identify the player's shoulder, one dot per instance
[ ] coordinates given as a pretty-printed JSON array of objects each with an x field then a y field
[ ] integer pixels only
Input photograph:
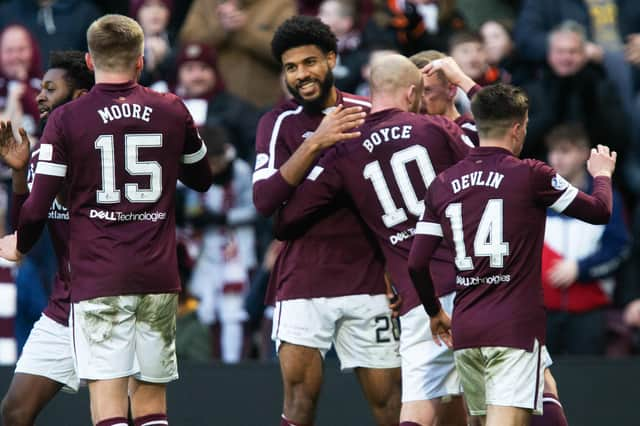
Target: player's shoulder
[
  {"x": 279, "y": 112},
  {"x": 349, "y": 100}
]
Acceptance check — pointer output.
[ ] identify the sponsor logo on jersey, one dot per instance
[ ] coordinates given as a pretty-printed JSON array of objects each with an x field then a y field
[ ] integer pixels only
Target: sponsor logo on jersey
[
  {"x": 559, "y": 183},
  {"x": 492, "y": 280},
  {"x": 402, "y": 236},
  {"x": 127, "y": 217}
]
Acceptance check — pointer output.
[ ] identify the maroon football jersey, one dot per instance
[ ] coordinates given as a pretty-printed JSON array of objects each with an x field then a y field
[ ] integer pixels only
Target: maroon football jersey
[
  {"x": 120, "y": 150},
  {"x": 468, "y": 126},
  {"x": 385, "y": 173},
  {"x": 491, "y": 207},
  {"x": 335, "y": 257},
  {"x": 59, "y": 301}
]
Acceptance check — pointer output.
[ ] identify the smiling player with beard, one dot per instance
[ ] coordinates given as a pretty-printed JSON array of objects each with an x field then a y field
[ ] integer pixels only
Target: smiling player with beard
[
  {"x": 46, "y": 364},
  {"x": 327, "y": 284}
]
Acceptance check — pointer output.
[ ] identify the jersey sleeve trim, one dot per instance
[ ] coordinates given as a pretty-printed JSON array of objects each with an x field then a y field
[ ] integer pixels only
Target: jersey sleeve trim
[
  {"x": 357, "y": 102},
  {"x": 263, "y": 174},
  {"x": 315, "y": 173},
  {"x": 51, "y": 169},
  {"x": 565, "y": 199},
  {"x": 429, "y": 228},
  {"x": 274, "y": 135},
  {"x": 196, "y": 156}
]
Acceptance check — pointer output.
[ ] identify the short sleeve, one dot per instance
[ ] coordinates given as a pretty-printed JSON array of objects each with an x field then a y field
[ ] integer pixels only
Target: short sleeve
[
  {"x": 549, "y": 188},
  {"x": 53, "y": 156},
  {"x": 194, "y": 147}
]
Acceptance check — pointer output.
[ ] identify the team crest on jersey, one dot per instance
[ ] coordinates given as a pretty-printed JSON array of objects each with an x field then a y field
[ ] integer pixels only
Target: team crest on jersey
[
  {"x": 307, "y": 134},
  {"x": 261, "y": 160},
  {"x": 559, "y": 183}
]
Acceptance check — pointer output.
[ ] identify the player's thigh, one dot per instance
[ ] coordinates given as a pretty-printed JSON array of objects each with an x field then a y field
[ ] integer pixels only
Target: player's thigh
[
  {"x": 514, "y": 377},
  {"x": 309, "y": 323},
  {"x": 155, "y": 337},
  {"x": 471, "y": 368},
  {"x": 428, "y": 370},
  {"x": 103, "y": 335},
  {"x": 48, "y": 352},
  {"x": 26, "y": 397},
  {"x": 301, "y": 369},
  {"x": 498, "y": 415},
  {"x": 367, "y": 336}
]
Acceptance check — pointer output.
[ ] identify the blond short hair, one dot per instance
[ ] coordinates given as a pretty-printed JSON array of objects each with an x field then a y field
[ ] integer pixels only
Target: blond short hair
[
  {"x": 422, "y": 59},
  {"x": 115, "y": 42}
]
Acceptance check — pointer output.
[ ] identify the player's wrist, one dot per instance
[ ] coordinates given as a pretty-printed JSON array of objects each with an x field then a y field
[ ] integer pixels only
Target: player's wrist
[{"x": 604, "y": 173}]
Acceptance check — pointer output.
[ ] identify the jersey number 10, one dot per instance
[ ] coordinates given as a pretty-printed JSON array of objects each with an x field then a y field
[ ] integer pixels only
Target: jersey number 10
[{"x": 109, "y": 194}]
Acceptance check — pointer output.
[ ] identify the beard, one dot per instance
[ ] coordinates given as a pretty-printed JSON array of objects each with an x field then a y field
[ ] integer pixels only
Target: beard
[
  {"x": 314, "y": 106},
  {"x": 43, "y": 122}
]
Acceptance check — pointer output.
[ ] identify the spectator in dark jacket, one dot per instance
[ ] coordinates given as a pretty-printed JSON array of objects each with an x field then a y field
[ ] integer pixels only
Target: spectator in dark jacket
[
  {"x": 200, "y": 85},
  {"x": 572, "y": 89},
  {"x": 56, "y": 24}
]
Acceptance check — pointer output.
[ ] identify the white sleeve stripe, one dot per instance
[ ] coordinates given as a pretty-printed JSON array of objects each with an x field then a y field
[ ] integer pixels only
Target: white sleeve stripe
[
  {"x": 315, "y": 173},
  {"x": 51, "y": 169},
  {"x": 274, "y": 134},
  {"x": 357, "y": 102},
  {"x": 429, "y": 228},
  {"x": 469, "y": 126},
  {"x": 196, "y": 156},
  {"x": 565, "y": 199},
  {"x": 155, "y": 422},
  {"x": 263, "y": 174},
  {"x": 467, "y": 141}
]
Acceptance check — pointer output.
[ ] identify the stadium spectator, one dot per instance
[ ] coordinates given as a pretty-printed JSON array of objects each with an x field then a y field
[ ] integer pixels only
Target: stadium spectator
[
  {"x": 241, "y": 32},
  {"x": 225, "y": 216},
  {"x": 579, "y": 260},
  {"x": 203, "y": 90},
  {"x": 328, "y": 285},
  {"x": 413, "y": 25},
  {"x": 501, "y": 51},
  {"x": 20, "y": 74},
  {"x": 341, "y": 16},
  {"x": 469, "y": 52},
  {"x": 475, "y": 13},
  {"x": 40, "y": 372},
  {"x": 55, "y": 24},
  {"x": 571, "y": 89},
  {"x": 499, "y": 261},
  {"x": 113, "y": 214},
  {"x": 153, "y": 16}
]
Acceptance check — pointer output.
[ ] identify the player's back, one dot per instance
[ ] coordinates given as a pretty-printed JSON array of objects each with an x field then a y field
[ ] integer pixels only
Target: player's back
[
  {"x": 387, "y": 171},
  {"x": 492, "y": 208},
  {"x": 124, "y": 145}
]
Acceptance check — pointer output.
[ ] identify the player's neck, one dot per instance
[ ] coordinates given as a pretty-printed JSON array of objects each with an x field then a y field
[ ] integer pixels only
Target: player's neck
[
  {"x": 497, "y": 143},
  {"x": 452, "y": 112},
  {"x": 381, "y": 103},
  {"x": 332, "y": 99},
  {"x": 110, "y": 77}
]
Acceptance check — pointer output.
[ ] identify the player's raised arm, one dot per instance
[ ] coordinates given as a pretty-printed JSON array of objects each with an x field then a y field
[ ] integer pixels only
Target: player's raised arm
[
  {"x": 595, "y": 208},
  {"x": 317, "y": 191},
  {"x": 452, "y": 71},
  {"x": 16, "y": 155},
  {"x": 278, "y": 172}
]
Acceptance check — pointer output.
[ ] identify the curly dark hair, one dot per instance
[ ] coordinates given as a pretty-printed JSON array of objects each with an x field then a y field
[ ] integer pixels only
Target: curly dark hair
[
  {"x": 72, "y": 61},
  {"x": 301, "y": 31}
]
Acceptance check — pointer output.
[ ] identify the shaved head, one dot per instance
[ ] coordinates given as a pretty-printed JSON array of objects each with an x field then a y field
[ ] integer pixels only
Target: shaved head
[{"x": 393, "y": 76}]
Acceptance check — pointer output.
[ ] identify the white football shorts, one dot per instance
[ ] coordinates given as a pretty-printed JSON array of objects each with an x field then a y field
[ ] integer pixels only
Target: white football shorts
[
  {"x": 48, "y": 352},
  {"x": 360, "y": 327},
  {"x": 428, "y": 370},
  {"x": 111, "y": 332},
  {"x": 501, "y": 376}
]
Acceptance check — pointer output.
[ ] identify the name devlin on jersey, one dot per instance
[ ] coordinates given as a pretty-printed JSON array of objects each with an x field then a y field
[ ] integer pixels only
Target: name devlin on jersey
[
  {"x": 494, "y": 179},
  {"x": 127, "y": 217}
]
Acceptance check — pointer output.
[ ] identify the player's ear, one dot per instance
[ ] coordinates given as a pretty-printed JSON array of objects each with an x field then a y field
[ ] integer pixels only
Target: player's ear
[
  {"x": 453, "y": 91},
  {"x": 77, "y": 93},
  {"x": 89, "y": 61},
  {"x": 140, "y": 64},
  {"x": 331, "y": 59}
]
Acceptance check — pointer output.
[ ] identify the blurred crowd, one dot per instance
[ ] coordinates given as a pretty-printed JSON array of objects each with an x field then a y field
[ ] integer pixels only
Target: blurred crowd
[{"x": 579, "y": 61}]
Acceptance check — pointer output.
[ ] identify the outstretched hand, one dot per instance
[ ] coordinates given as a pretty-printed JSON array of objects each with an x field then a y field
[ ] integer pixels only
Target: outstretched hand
[
  {"x": 15, "y": 154},
  {"x": 338, "y": 126},
  {"x": 9, "y": 248},
  {"x": 601, "y": 162},
  {"x": 441, "y": 329}
]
